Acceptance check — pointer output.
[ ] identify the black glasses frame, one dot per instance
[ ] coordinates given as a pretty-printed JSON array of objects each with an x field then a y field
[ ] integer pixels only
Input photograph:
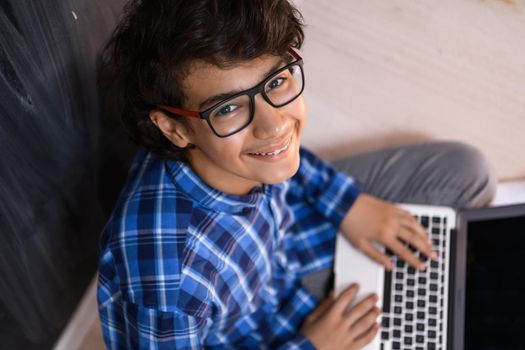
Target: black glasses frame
[{"x": 251, "y": 93}]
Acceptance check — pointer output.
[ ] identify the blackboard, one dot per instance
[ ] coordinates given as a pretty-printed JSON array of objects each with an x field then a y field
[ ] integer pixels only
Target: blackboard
[{"x": 62, "y": 162}]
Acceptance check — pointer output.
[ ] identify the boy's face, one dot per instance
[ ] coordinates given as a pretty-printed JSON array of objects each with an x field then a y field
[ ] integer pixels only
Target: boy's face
[{"x": 237, "y": 163}]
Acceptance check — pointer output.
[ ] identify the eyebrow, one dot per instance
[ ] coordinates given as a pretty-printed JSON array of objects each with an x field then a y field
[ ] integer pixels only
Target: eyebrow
[{"x": 225, "y": 95}]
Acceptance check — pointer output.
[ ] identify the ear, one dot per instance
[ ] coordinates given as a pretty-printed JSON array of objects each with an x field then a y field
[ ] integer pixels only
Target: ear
[{"x": 174, "y": 130}]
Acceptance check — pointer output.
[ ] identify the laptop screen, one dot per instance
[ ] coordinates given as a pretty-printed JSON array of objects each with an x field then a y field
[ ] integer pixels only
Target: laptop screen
[{"x": 495, "y": 284}]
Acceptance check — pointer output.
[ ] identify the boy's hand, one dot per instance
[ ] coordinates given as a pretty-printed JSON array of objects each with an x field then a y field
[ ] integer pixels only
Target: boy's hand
[
  {"x": 335, "y": 326},
  {"x": 371, "y": 219}
]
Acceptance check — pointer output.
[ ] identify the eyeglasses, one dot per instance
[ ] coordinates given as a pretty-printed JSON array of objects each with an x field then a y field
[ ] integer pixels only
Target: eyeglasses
[{"x": 236, "y": 112}]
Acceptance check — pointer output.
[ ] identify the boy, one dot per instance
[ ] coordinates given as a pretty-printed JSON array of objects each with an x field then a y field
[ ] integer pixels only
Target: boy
[{"x": 226, "y": 227}]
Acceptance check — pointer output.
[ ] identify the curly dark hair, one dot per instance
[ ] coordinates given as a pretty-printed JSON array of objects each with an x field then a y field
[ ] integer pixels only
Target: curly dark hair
[{"x": 149, "y": 53}]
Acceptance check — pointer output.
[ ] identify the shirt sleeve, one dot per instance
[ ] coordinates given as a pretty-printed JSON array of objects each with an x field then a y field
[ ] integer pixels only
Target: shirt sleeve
[
  {"x": 331, "y": 192},
  {"x": 130, "y": 326}
]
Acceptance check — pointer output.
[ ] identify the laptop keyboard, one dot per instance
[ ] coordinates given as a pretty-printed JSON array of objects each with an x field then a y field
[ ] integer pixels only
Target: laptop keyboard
[{"x": 414, "y": 302}]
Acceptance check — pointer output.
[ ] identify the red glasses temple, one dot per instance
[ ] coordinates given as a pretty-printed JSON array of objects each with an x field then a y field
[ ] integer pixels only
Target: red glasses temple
[{"x": 180, "y": 111}]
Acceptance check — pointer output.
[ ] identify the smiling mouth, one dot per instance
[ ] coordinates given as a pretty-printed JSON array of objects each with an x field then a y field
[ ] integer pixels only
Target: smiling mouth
[{"x": 274, "y": 152}]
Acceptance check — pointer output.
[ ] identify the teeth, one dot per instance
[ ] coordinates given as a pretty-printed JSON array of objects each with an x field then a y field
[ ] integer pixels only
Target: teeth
[{"x": 273, "y": 153}]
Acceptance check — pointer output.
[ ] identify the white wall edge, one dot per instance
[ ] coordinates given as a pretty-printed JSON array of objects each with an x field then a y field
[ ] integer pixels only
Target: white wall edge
[
  {"x": 510, "y": 192},
  {"x": 82, "y": 320}
]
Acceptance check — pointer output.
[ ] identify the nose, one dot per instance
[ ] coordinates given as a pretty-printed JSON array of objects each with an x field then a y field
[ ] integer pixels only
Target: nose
[{"x": 268, "y": 122}]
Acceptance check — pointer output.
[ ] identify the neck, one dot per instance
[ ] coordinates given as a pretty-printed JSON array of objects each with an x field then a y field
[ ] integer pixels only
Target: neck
[{"x": 217, "y": 177}]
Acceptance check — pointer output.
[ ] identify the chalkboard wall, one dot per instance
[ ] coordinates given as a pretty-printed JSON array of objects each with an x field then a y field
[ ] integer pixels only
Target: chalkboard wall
[{"x": 62, "y": 162}]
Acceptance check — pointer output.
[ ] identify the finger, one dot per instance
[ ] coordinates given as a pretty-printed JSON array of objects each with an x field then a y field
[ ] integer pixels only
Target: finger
[
  {"x": 409, "y": 221},
  {"x": 342, "y": 302},
  {"x": 367, "y": 337},
  {"x": 364, "y": 323},
  {"x": 418, "y": 242},
  {"x": 405, "y": 254},
  {"x": 421, "y": 239},
  {"x": 375, "y": 254},
  {"x": 361, "y": 309}
]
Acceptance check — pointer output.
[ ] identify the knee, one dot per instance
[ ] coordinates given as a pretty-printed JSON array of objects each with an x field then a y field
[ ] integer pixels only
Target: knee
[
  {"x": 472, "y": 169},
  {"x": 467, "y": 160}
]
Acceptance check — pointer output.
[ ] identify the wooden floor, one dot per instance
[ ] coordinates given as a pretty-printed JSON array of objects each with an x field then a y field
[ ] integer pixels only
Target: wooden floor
[
  {"x": 93, "y": 339},
  {"x": 389, "y": 72}
]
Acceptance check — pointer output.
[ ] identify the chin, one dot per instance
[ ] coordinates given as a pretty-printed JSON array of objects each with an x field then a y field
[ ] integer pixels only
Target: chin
[{"x": 276, "y": 176}]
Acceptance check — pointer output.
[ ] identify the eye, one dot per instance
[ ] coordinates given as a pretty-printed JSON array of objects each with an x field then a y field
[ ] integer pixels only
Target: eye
[
  {"x": 225, "y": 110},
  {"x": 275, "y": 83}
]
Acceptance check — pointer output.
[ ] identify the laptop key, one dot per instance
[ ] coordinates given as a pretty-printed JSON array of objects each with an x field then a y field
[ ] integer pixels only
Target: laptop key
[
  {"x": 387, "y": 292},
  {"x": 424, "y": 221}
]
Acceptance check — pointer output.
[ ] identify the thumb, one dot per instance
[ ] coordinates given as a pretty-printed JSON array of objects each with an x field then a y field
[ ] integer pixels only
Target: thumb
[
  {"x": 375, "y": 254},
  {"x": 323, "y": 307}
]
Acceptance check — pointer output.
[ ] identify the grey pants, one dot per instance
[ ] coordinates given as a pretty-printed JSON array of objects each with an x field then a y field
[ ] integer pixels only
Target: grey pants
[{"x": 439, "y": 173}]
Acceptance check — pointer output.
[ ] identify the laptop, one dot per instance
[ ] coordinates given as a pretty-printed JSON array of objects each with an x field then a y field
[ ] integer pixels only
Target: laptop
[{"x": 472, "y": 297}]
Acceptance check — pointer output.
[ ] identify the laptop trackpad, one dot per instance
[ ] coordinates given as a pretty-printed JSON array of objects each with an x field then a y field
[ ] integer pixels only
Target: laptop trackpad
[{"x": 353, "y": 266}]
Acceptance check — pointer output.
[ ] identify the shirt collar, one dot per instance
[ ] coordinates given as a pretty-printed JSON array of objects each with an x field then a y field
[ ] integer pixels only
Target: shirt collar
[{"x": 185, "y": 179}]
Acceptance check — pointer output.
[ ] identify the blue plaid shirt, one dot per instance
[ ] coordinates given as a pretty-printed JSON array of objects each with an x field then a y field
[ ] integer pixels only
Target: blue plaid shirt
[{"x": 184, "y": 266}]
